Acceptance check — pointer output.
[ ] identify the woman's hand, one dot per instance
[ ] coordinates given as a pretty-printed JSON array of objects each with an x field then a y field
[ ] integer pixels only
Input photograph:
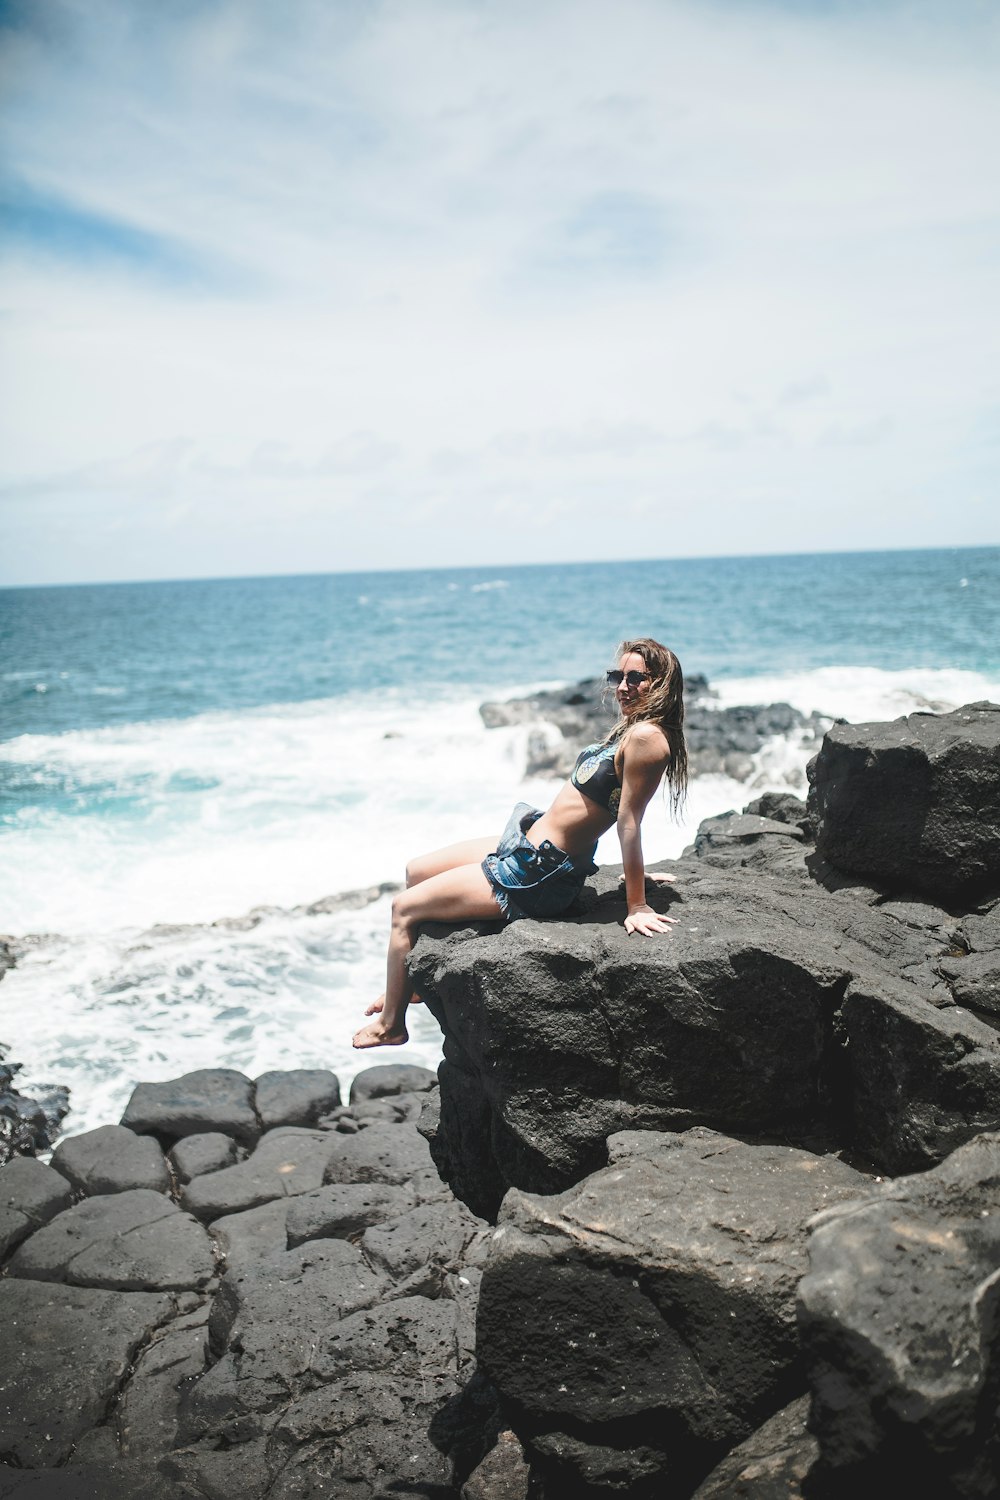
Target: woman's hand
[{"x": 647, "y": 922}]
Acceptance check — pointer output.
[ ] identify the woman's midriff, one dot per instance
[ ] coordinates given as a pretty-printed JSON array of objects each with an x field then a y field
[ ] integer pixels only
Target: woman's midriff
[{"x": 573, "y": 823}]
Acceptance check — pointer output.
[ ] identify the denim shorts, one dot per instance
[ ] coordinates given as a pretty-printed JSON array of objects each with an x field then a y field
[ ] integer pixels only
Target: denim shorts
[{"x": 529, "y": 881}]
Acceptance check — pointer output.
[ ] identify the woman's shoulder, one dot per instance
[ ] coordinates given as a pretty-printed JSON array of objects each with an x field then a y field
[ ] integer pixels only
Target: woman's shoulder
[{"x": 647, "y": 741}]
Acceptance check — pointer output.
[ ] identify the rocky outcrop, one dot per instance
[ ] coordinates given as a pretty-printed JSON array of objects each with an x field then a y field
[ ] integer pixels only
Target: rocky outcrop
[
  {"x": 719, "y": 740},
  {"x": 27, "y": 1124},
  {"x": 642, "y": 1323},
  {"x": 915, "y": 803},
  {"x": 900, "y": 1322},
  {"x": 318, "y": 1342},
  {"x": 696, "y": 1283}
]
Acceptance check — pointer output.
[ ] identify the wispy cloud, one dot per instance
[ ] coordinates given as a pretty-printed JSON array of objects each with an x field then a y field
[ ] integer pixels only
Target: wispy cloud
[{"x": 466, "y": 268}]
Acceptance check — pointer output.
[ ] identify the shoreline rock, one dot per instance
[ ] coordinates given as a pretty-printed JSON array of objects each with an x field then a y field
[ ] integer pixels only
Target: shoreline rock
[
  {"x": 695, "y": 1284},
  {"x": 720, "y": 741}
]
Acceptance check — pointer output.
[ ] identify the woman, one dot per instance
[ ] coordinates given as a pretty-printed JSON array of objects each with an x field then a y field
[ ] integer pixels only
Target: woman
[{"x": 541, "y": 875}]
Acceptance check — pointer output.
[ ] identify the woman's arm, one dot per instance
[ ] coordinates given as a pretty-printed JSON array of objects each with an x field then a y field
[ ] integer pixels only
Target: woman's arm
[{"x": 644, "y": 760}]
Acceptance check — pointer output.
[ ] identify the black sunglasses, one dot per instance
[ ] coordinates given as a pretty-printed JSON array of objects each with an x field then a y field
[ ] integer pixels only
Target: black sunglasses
[{"x": 631, "y": 679}]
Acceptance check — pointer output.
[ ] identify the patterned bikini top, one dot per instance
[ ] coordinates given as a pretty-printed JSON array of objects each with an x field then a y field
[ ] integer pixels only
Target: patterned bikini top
[{"x": 594, "y": 775}]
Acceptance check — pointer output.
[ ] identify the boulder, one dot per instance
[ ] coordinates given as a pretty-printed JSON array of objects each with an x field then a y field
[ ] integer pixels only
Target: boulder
[
  {"x": 343, "y": 1210},
  {"x": 208, "y": 1099},
  {"x": 297, "y": 1097},
  {"x": 774, "y": 1463},
  {"x": 136, "y": 1240},
  {"x": 287, "y": 1161},
  {"x": 270, "y": 1322},
  {"x": 642, "y": 1323},
  {"x": 917, "y": 1081},
  {"x": 30, "y": 1195},
  {"x": 900, "y": 1323},
  {"x": 433, "y": 1234},
  {"x": 559, "y": 1033},
  {"x": 111, "y": 1159},
  {"x": 502, "y": 1475},
  {"x": 386, "y": 1079},
  {"x": 49, "y": 1395},
  {"x": 745, "y": 839},
  {"x": 147, "y": 1416},
  {"x": 915, "y": 804},
  {"x": 719, "y": 740},
  {"x": 394, "y": 1154},
  {"x": 254, "y": 1235},
  {"x": 196, "y": 1155}
]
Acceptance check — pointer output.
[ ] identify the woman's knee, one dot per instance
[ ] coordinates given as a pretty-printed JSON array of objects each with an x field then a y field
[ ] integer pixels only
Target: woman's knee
[{"x": 417, "y": 870}]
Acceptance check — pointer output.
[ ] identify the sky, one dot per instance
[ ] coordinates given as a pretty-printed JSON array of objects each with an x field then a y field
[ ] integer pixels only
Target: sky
[{"x": 331, "y": 285}]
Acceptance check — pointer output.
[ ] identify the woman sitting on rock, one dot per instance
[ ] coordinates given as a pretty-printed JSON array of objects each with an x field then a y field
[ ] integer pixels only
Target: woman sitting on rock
[{"x": 541, "y": 875}]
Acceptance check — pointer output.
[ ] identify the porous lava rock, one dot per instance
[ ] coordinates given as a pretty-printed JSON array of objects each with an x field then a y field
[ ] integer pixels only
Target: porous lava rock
[
  {"x": 297, "y": 1097},
  {"x": 642, "y": 1323},
  {"x": 914, "y": 803},
  {"x": 719, "y": 740},
  {"x": 208, "y": 1152},
  {"x": 136, "y": 1240},
  {"x": 900, "y": 1323},
  {"x": 772, "y": 1007},
  {"x": 67, "y": 1352},
  {"x": 776, "y": 1462},
  {"x": 111, "y": 1159},
  {"x": 388, "y": 1079},
  {"x": 209, "y": 1099},
  {"x": 286, "y": 1161},
  {"x": 31, "y": 1194}
]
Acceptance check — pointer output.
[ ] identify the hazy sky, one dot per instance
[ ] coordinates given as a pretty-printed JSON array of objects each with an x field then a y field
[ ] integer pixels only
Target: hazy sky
[{"x": 323, "y": 284}]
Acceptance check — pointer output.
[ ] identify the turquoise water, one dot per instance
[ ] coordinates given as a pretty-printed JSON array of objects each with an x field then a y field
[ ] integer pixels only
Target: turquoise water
[
  {"x": 176, "y": 753},
  {"x": 89, "y": 656}
]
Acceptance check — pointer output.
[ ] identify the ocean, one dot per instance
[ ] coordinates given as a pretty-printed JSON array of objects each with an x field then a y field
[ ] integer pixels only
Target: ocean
[{"x": 176, "y": 753}]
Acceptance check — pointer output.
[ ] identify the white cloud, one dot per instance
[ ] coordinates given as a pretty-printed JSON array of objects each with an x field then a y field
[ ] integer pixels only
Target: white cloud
[{"x": 326, "y": 286}]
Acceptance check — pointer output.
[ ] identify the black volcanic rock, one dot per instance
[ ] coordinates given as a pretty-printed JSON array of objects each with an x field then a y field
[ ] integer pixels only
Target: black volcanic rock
[
  {"x": 111, "y": 1159},
  {"x": 209, "y": 1099},
  {"x": 900, "y": 1320},
  {"x": 643, "y": 1322},
  {"x": 30, "y": 1195},
  {"x": 388, "y": 1080},
  {"x": 209, "y": 1151},
  {"x": 128, "y": 1241},
  {"x": 285, "y": 1162},
  {"x": 775, "y": 1463},
  {"x": 57, "y": 1383},
  {"x": 771, "y": 1008},
  {"x": 719, "y": 740},
  {"x": 914, "y": 804},
  {"x": 299, "y": 1097}
]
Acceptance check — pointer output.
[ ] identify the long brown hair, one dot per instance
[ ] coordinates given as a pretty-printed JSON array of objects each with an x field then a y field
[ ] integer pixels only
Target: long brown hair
[{"x": 662, "y": 705}]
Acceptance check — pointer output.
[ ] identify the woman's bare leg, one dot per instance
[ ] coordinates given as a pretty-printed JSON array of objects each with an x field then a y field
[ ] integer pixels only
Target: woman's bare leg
[
  {"x": 425, "y": 866},
  {"x": 451, "y": 896}
]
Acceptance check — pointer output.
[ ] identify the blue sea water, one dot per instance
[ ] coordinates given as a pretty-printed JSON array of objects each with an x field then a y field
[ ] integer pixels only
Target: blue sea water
[{"x": 174, "y": 753}]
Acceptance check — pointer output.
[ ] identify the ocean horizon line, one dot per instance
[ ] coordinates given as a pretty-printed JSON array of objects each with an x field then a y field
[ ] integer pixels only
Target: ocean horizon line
[{"x": 485, "y": 567}]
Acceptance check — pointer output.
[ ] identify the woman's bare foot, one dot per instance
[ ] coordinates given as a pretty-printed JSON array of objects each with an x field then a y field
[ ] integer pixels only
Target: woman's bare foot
[
  {"x": 378, "y": 1035},
  {"x": 375, "y": 1009}
]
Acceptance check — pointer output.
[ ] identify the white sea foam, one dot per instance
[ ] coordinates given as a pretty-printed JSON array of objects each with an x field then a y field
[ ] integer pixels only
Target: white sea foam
[{"x": 862, "y": 694}]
